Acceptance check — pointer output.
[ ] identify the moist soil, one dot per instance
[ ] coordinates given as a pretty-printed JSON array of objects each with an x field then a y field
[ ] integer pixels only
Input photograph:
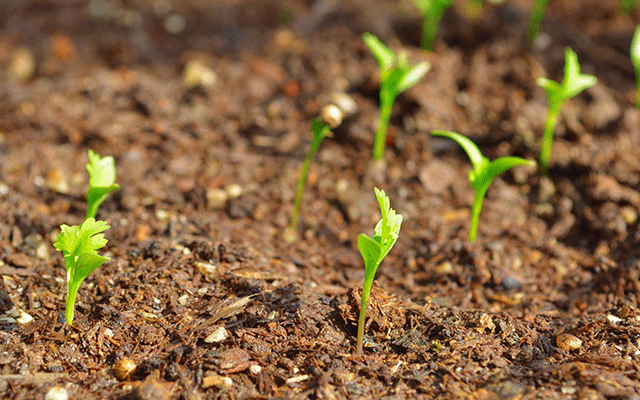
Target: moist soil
[{"x": 201, "y": 293}]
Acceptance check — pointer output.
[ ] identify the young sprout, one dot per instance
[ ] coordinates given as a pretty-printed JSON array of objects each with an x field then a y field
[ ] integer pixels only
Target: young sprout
[
  {"x": 483, "y": 173},
  {"x": 431, "y": 12},
  {"x": 320, "y": 131},
  {"x": 102, "y": 181},
  {"x": 535, "y": 20},
  {"x": 373, "y": 251},
  {"x": 573, "y": 83},
  {"x": 396, "y": 76},
  {"x": 635, "y": 59},
  {"x": 79, "y": 245}
]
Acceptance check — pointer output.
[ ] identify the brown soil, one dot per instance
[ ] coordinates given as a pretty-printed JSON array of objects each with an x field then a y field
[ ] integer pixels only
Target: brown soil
[{"x": 210, "y": 302}]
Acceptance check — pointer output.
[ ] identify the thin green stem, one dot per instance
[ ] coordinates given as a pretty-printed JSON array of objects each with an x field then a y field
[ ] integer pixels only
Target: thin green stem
[
  {"x": 478, "y": 198},
  {"x": 430, "y": 22},
  {"x": 535, "y": 20},
  {"x": 304, "y": 172},
  {"x": 379, "y": 142},
  {"x": 71, "y": 305},
  {"x": 364, "y": 301},
  {"x": 547, "y": 138}
]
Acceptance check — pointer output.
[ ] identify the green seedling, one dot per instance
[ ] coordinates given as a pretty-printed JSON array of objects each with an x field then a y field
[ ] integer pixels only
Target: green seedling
[
  {"x": 573, "y": 83},
  {"x": 535, "y": 20},
  {"x": 396, "y": 76},
  {"x": 635, "y": 59},
  {"x": 79, "y": 245},
  {"x": 482, "y": 174},
  {"x": 432, "y": 12},
  {"x": 102, "y": 181},
  {"x": 373, "y": 251},
  {"x": 320, "y": 131}
]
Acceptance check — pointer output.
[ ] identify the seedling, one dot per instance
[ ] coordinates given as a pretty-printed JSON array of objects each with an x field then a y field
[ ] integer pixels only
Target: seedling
[
  {"x": 320, "y": 131},
  {"x": 374, "y": 250},
  {"x": 625, "y": 6},
  {"x": 483, "y": 173},
  {"x": 79, "y": 245},
  {"x": 102, "y": 181},
  {"x": 396, "y": 76},
  {"x": 432, "y": 12},
  {"x": 535, "y": 20},
  {"x": 635, "y": 59},
  {"x": 573, "y": 83}
]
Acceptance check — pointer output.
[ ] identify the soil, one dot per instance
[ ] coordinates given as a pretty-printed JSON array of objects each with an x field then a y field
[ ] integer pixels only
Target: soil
[{"x": 201, "y": 293}]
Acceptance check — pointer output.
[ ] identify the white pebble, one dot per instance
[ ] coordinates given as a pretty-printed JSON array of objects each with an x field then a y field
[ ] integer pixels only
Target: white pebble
[
  {"x": 217, "y": 336},
  {"x": 56, "y": 393}
]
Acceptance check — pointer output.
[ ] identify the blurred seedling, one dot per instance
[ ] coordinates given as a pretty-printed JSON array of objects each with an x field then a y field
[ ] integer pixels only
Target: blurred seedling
[
  {"x": 320, "y": 131},
  {"x": 396, "y": 76},
  {"x": 573, "y": 83},
  {"x": 635, "y": 59},
  {"x": 432, "y": 12},
  {"x": 79, "y": 245},
  {"x": 373, "y": 251},
  {"x": 482, "y": 174},
  {"x": 625, "y": 6},
  {"x": 102, "y": 181},
  {"x": 535, "y": 20}
]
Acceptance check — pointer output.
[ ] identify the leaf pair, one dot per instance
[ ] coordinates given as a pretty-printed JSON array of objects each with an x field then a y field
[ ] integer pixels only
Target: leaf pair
[
  {"x": 79, "y": 245},
  {"x": 483, "y": 173},
  {"x": 396, "y": 76},
  {"x": 557, "y": 93},
  {"x": 373, "y": 250}
]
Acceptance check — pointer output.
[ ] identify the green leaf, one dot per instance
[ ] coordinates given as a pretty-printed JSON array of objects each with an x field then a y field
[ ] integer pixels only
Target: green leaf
[
  {"x": 80, "y": 245},
  {"x": 102, "y": 181},
  {"x": 574, "y": 82},
  {"x": 477, "y": 159},
  {"x": 413, "y": 76},
  {"x": 635, "y": 51},
  {"x": 382, "y": 53},
  {"x": 370, "y": 251},
  {"x": 502, "y": 164}
]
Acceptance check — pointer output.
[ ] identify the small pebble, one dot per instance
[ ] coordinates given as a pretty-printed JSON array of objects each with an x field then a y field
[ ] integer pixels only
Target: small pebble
[
  {"x": 217, "y": 336},
  {"x": 234, "y": 191},
  {"x": 56, "y": 393},
  {"x": 222, "y": 382},
  {"x": 23, "y": 65},
  {"x": 255, "y": 369},
  {"x": 196, "y": 73},
  {"x": 217, "y": 198},
  {"x": 124, "y": 368},
  {"x": 613, "y": 319},
  {"x": 568, "y": 342}
]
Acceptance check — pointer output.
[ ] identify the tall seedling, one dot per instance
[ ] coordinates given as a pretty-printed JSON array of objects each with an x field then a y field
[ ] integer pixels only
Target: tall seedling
[
  {"x": 573, "y": 83},
  {"x": 432, "y": 12},
  {"x": 396, "y": 76},
  {"x": 535, "y": 20}
]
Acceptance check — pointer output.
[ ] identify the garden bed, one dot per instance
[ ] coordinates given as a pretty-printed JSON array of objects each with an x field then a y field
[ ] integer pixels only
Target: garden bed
[{"x": 203, "y": 294}]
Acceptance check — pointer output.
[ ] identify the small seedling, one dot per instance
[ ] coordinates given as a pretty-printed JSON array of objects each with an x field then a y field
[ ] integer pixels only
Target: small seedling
[
  {"x": 573, "y": 83},
  {"x": 535, "y": 20},
  {"x": 625, "y": 6},
  {"x": 79, "y": 245},
  {"x": 373, "y": 251},
  {"x": 320, "y": 131},
  {"x": 396, "y": 76},
  {"x": 483, "y": 173},
  {"x": 102, "y": 181},
  {"x": 432, "y": 12},
  {"x": 635, "y": 59}
]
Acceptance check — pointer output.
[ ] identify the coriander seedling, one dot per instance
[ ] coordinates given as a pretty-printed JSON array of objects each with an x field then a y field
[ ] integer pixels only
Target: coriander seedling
[
  {"x": 432, "y": 12},
  {"x": 635, "y": 60},
  {"x": 373, "y": 251},
  {"x": 320, "y": 131},
  {"x": 396, "y": 76},
  {"x": 102, "y": 181},
  {"x": 483, "y": 173},
  {"x": 573, "y": 83},
  {"x": 535, "y": 20},
  {"x": 79, "y": 245}
]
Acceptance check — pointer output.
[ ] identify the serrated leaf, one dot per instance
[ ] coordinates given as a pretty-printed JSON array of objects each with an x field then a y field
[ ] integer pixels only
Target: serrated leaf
[{"x": 86, "y": 238}]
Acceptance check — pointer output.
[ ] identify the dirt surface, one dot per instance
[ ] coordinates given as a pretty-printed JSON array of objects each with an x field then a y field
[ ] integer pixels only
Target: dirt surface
[{"x": 202, "y": 295}]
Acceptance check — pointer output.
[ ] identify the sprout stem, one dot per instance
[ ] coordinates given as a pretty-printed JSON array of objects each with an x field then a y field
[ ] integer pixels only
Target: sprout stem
[
  {"x": 364, "y": 300},
  {"x": 547, "y": 138},
  {"x": 475, "y": 214},
  {"x": 386, "y": 106},
  {"x": 71, "y": 304},
  {"x": 302, "y": 179},
  {"x": 535, "y": 20}
]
